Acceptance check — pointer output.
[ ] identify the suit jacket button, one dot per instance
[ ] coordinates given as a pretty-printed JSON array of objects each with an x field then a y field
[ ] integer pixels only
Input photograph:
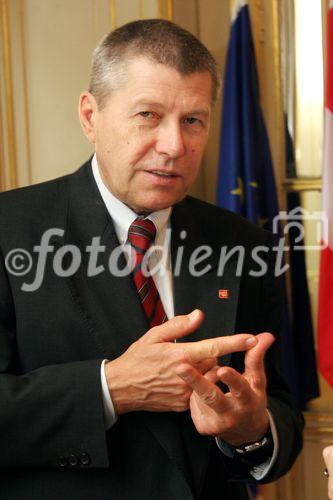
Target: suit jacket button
[
  {"x": 73, "y": 460},
  {"x": 84, "y": 458},
  {"x": 62, "y": 461}
]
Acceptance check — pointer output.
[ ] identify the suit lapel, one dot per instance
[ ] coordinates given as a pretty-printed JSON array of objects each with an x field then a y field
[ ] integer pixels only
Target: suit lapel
[
  {"x": 109, "y": 303},
  {"x": 202, "y": 292},
  {"x": 205, "y": 291}
]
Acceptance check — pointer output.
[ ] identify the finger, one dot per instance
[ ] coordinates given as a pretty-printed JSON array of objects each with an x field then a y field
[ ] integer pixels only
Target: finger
[
  {"x": 254, "y": 359},
  {"x": 237, "y": 383},
  {"x": 211, "y": 375},
  {"x": 213, "y": 348},
  {"x": 205, "y": 365},
  {"x": 177, "y": 327},
  {"x": 207, "y": 391}
]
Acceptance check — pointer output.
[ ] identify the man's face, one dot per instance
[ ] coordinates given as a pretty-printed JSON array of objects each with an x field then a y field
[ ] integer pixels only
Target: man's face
[{"x": 150, "y": 137}]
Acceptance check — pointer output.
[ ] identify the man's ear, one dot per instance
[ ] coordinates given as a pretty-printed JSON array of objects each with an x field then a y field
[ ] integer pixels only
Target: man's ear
[{"x": 88, "y": 111}]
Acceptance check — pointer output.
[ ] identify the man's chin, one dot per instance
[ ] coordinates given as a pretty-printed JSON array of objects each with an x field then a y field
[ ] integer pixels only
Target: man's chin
[{"x": 148, "y": 206}]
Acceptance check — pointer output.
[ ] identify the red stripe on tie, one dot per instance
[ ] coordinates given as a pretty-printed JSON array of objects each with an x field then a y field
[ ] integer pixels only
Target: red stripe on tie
[{"x": 141, "y": 235}]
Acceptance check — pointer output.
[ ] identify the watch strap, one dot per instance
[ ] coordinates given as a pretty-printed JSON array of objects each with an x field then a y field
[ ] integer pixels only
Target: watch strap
[{"x": 249, "y": 448}]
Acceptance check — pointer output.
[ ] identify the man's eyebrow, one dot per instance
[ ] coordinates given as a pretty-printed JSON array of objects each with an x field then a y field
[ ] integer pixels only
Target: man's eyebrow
[
  {"x": 155, "y": 104},
  {"x": 204, "y": 112}
]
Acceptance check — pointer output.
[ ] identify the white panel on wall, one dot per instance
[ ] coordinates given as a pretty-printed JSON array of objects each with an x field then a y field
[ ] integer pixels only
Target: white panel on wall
[
  {"x": 214, "y": 29},
  {"x": 186, "y": 14},
  {"x": 60, "y": 36},
  {"x": 127, "y": 10},
  {"x": 149, "y": 9}
]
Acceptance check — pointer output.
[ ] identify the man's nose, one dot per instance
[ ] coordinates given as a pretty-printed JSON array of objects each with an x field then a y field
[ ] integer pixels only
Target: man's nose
[{"x": 170, "y": 140}]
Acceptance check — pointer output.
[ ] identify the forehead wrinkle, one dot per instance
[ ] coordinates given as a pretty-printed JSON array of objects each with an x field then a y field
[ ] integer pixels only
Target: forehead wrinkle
[
  {"x": 194, "y": 107},
  {"x": 162, "y": 86}
]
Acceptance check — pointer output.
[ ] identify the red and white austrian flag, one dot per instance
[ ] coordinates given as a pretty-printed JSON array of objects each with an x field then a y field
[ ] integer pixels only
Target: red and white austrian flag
[{"x": 325, "y": 313}]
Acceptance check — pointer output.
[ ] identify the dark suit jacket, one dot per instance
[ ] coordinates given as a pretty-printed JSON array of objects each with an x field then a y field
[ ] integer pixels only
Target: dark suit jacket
[{"x": 52, "y": 341}]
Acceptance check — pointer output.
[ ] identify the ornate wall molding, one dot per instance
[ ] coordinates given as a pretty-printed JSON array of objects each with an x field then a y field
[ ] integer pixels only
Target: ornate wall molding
[
  {"x": 163, "y": 9},
  {"x": 113, "y": 14},
  {"x": 25, "y": 87},
  {"x": 299, "y": 184},
  {"x": 9, "y": 176},
  {"x": 319, "y": 427}
]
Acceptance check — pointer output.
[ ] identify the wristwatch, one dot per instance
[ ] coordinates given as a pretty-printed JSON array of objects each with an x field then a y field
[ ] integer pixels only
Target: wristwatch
[
  {"x": 255, "y": 453},
  {"x": 248, "y": 448}
]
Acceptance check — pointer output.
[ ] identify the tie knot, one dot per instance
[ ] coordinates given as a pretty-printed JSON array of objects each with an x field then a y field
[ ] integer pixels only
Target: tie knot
[{"x": 141, "y": 234}]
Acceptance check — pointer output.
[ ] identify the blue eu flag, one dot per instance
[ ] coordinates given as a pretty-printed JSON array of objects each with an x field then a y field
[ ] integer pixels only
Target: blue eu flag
[{"x": 246, "y": 182}]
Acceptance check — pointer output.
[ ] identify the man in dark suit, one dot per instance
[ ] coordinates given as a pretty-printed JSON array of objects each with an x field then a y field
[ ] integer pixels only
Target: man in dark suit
[{"x": 101, "y": 396}]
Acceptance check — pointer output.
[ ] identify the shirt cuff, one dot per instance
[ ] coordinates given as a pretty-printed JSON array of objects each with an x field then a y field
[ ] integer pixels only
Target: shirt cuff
[
  {"x": 259, "y": 471},
  {"x": 110, "y": 416}
]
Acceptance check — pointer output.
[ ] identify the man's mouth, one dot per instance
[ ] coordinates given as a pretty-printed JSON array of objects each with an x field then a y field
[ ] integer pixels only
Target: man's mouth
[{"x": 163, "y": 174}]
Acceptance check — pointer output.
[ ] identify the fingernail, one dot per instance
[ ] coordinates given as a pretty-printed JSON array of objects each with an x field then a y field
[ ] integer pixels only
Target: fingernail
[
  {"x": 194, "y": 314},
  {"x": 251, "y": 341}
]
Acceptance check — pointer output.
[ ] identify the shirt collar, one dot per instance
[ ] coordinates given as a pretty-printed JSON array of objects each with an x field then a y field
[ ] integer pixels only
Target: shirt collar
[{"x": 121, "y": 214}]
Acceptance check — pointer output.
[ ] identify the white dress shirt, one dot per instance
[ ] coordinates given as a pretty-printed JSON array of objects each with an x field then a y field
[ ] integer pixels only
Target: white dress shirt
[{"x": 122, "y": 217}]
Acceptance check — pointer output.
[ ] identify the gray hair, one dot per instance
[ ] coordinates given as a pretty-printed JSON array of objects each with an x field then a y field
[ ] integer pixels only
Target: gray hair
[{"x": 159, "y": 40}]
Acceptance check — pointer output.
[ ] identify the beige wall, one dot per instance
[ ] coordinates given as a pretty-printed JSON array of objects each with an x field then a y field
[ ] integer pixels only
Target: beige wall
[
  {"x": 49, "y": 46},
  {"x": 51, "y": 43},
  {"x": 52, "y": 66}
]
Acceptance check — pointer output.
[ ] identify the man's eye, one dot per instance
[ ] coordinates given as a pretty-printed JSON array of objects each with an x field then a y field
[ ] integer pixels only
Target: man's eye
[
  {"x": 147, "y": 114},
  {"x": 191, "y": 120}
]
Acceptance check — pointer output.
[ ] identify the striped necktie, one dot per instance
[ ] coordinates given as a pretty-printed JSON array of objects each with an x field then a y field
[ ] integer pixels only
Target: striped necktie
[{"x": 141, "y": 235}]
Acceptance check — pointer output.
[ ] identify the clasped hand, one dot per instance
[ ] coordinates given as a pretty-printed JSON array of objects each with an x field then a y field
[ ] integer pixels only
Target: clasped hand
[{"x": 160, "y": 375}]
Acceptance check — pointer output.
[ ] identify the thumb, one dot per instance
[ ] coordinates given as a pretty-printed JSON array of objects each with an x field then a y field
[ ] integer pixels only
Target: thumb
[{"x": 177, "y": 327}]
